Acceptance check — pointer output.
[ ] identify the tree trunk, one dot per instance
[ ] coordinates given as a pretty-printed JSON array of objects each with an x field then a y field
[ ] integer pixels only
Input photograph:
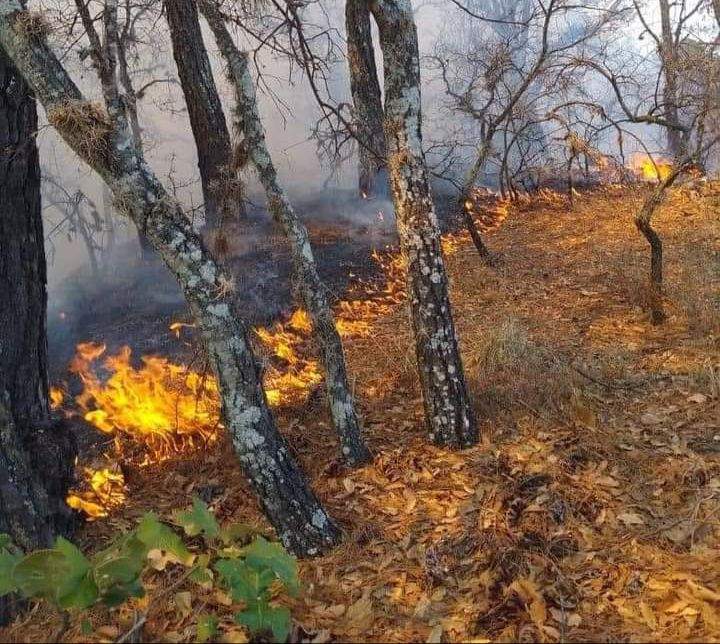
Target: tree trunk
[
  {"x": 447, "y": 405},
  {"x": 466, "y": 198},
  {"x": 669, "y": 59},
  {"x": 36, "y": 458},
  {"x": 290, "y": 505},
  {"x": 643, "y": 221},
  {"x": 342, "y": 406},
  {"x": 222, "y": 191},
  {"x": 367, "y": 98}
]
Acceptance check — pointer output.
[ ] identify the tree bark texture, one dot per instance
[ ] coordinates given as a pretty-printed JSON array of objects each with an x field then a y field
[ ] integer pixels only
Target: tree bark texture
[
  {"x": 314, "y": 293},
  {"x": 643, "y": 222},
  {"x": 669, "y": 59},
  {"x": 289, "y": 503},
  {"x": 37, "y": 457},
  {"x": 367, "y": 98},
  {"x": 447, "y": 404},
  {"x": 222, "y": 190}
]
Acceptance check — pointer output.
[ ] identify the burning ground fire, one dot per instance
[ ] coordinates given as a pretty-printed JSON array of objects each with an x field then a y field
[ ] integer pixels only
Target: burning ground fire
[
  {"x": 164, "y": 408},
  {"x": 650, "y": 168}
]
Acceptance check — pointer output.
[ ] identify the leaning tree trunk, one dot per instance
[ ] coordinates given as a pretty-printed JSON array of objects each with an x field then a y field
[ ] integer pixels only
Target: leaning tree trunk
[
  {"x": 36, "y": 456},
  {"x": 104, "y": 141},
  {"x": 643, "y": 221},
  {"x": 447, "y": 404},
  {"x": 222, "y": 191},
  {"x": 367, "y": 99},
  {"x": 249, "y": 124},
  {"x": 465, "y": 199}
]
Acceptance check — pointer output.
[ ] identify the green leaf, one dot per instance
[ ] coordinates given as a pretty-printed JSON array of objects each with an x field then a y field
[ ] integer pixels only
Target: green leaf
[
  {"x": 236, "y": 533},
  {"x": 263, "y": 618},
  {"x": 199, "y": 520},
  {"x": 83, "y": 594},
  {"x": 245, "y": 583},
  {"x": 77, "y": 590},
  {"x": 202, "y": 576},
  {"x": 120, "y": 593},
  {"x": 269, "y": 554},
  {"x": 157, "y": 535},
  {"x": 6, "y": 542},
  {"x": 117, "y": 570},
  {"x": 78, "y": 564},
  {"x": 41, "y": 573},
  {"x": 8, "y": 561},
  {"x": 207, "y": 626}
]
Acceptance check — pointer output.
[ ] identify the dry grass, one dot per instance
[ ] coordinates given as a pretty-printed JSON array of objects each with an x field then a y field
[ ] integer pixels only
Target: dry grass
[
  {"x": 706, "y": 379},
  {"x": 697, "y": 291},
  {"x": 513, "y": 368},
  {"x": 631, "y": 273},
  {"x": 87, "y": 126},
  {"x": 551, "y": 529}
]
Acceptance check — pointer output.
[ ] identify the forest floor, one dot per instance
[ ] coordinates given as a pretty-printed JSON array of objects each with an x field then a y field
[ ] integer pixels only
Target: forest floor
[{"x": 591, "y": 508}]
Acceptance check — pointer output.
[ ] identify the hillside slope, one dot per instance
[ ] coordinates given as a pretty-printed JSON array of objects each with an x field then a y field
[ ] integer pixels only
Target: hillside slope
[{"x": 590, "y": 510}]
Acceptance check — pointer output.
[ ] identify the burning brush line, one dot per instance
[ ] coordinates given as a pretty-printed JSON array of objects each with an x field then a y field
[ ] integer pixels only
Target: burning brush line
[{"x": 162, "y": 409}]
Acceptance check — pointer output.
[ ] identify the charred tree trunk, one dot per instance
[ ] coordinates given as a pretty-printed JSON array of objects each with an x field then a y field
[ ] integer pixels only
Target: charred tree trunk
[
  {"x": 222, "y": 191},
  {"x": 367, "y": 98},
  {"x": 36, "y": 458},
  {"x": 465, "y": 201},
  {"x": 448, "y": 409},
  {"x": 290, "y": 505},
  {"x": 314, "y": 296},
  {"x": 643, "y": 221}
]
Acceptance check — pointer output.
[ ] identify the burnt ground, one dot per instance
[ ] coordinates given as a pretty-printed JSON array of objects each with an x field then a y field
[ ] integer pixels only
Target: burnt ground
[{"x": 135, "y": 300}]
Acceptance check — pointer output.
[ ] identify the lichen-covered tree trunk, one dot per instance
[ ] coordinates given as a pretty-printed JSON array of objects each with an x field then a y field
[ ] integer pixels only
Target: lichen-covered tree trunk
[
  {"x": 222, "y": 190},
  {"x": 314, "y": 296},
  {"x": 367, "y": 98},
  {"x": 103, "y": 140},
  {"x": 447, "y": 404},
  {"x": 37, "y": 457}
]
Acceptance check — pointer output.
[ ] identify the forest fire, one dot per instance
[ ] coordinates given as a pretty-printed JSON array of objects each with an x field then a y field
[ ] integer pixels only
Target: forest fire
[
  {"x": 165, "y": 408},
  {"x": 106, "y": 490},
  {"x": 650, "y": 168}
]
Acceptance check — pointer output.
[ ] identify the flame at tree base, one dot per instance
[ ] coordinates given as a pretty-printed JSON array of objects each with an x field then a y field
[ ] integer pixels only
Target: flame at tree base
[{"x": 162, "y": 409}]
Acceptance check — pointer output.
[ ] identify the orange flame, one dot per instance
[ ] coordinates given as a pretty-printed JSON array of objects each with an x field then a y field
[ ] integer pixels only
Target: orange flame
[
  {"x": 56, "y": 397},
  {"x": 161, "y": 405},
  {"x": 106, "y": 491},
  {"x": 651, "y": 168}
]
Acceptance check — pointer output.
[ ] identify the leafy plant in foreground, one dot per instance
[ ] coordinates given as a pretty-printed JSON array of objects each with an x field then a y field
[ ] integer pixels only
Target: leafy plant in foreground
[{"x": 249, "y": 569}]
